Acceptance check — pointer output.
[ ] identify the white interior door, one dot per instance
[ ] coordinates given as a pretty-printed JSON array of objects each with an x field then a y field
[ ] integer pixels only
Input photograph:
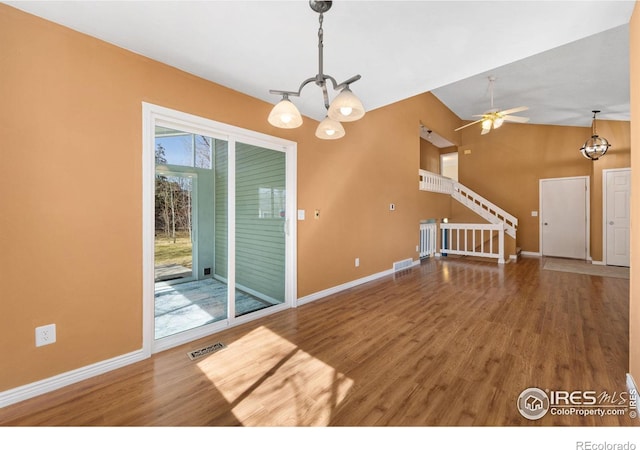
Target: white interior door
[
  {"x": 616, "y": 216},
  {"x": 564, "y": 219}
]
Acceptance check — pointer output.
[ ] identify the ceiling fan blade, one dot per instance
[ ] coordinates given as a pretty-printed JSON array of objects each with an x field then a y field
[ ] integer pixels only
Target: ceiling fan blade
[
  {"x": 517, "y": 119},
  {"x": 468, "y": 125},
  {"x": 513, "y": 110},
  {"x": 485, "y": 131}
]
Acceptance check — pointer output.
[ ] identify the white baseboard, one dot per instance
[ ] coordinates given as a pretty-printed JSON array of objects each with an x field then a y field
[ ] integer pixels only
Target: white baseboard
[
  {"x": 343, "y": 287},
  {"x": 523, "y": 253},
  {"x": 598, "y": 263},
  {"x": 65, "y": 379}
]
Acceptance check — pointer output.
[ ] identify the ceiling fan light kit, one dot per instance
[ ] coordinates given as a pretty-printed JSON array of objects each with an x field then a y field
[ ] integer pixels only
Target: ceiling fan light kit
[
  {"x": 595, "y": 147},
  {"x": 494, "y": 118},
  {"x": 346, "y": 107}
]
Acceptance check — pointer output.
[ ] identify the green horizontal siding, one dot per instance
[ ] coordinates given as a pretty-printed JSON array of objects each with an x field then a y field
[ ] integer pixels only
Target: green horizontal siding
[{"x": 260, "y": 239}]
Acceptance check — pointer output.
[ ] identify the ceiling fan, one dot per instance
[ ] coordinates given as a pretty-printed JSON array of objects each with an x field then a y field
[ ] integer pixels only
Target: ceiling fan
[{"x": 494, "y": 118}]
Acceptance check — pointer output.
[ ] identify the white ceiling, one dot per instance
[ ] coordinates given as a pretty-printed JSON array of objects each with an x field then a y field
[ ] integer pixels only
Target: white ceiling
[{"x": 562, "y": 59}]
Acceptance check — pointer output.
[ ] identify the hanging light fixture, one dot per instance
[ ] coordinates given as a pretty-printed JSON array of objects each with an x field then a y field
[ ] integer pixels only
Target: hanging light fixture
[
  {"x": 346, "y": 107},
  {"x": 595, "y": 147}
]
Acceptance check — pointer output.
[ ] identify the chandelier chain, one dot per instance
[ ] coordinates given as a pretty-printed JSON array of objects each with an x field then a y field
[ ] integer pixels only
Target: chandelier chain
[{"x": 320, "y": 77}]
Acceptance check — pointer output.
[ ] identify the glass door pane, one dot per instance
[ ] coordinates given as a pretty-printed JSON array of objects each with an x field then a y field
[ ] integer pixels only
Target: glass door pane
[
  {"x": 190, "y": 291},
  {"x": 260, "y": 205},
  {"x": 174, "y": 228}
]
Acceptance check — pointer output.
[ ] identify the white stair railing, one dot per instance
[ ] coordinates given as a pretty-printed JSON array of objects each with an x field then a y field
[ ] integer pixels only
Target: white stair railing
[
  {"x": 433, "y": 182},
  {"x": 473, "y": 239},
  {"x": 428, "y": 239},
  {"x": 484, "y": 208}
]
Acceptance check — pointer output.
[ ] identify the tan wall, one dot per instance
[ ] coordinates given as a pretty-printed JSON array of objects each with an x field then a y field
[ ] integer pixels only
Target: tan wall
[
  {"x": 353, "y": 182},
  {"x": 429, "y": 156},
  {"x": 70, "y": 150},
  {"x": 634, "y": 307},
  {"x": 506, "y": 165}
]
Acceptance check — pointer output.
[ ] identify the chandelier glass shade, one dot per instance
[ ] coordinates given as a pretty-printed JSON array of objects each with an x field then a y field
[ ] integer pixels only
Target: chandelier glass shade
[
  {"x": 346, "y": 107},
  {"x": 595, "y": 147},
  {"x": 285, "y": 115},
  {"x": 330, "y": 129}
]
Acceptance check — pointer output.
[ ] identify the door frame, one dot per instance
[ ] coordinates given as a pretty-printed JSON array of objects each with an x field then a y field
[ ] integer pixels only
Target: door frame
[
  {"x": 587, "y": 195},
  {"x": 154, "y": 113},
  {"x": 604, "y": 209}
]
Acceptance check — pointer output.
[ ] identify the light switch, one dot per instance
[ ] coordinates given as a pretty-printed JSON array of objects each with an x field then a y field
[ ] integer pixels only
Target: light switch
[
  {"x": 301, "y": 214},
  {"x": 534, "y": 213}
]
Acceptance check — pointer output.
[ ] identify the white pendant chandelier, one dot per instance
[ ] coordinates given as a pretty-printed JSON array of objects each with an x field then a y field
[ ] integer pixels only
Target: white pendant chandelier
[
  {"x": 595, "y": 147},
  {"x": 346, "y": 107}
]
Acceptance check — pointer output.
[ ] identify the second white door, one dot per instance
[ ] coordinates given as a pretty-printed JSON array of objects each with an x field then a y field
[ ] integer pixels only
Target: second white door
[{"x": 616, "y": 197}]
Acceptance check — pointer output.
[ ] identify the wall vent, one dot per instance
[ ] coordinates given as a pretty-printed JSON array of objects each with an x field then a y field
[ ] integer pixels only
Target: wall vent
[
  {"x": 206, "y": 350},
  {"x": 404, "y": 264}
]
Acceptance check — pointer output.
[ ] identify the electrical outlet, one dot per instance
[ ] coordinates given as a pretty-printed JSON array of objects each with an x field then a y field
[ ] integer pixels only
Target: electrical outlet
[
  {"x": 45, "y": 335},
  {"x": 392, "y": 206},
  {"x": 357, "y": 262}
]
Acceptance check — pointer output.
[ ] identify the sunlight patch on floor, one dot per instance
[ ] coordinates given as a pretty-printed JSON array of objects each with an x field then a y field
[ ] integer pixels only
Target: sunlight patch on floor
[{"x": 282, "y": 386}]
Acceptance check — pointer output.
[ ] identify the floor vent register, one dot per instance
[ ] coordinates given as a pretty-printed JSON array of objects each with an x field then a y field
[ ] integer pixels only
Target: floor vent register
[{"x": 206, "y": 350}]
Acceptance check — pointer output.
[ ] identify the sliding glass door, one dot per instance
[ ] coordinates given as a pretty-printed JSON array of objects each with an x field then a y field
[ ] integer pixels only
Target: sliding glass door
[{"x": 223, "y": 248}]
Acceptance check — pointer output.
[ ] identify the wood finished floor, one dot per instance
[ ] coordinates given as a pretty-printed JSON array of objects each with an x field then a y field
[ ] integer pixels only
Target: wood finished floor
[{"x": 450, "y": 342}]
